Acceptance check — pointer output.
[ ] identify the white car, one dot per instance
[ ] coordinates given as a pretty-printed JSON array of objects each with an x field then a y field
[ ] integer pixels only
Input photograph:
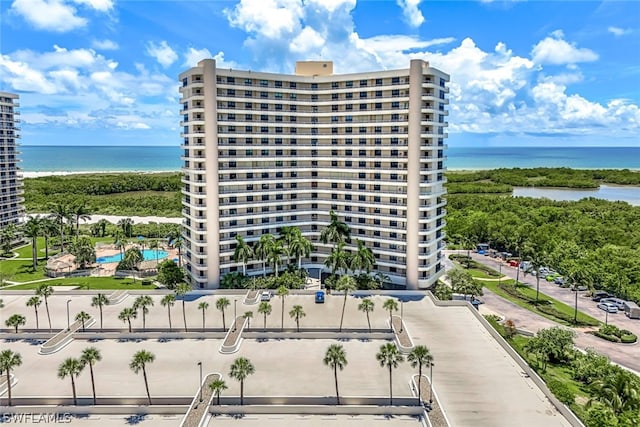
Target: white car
[
  {"x": 265, "y": 296},
  {"x": 608, "y": 307}
]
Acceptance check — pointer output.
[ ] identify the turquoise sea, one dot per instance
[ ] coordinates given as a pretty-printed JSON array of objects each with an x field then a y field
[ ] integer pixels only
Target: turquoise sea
[{"x": 121, "y": 158}]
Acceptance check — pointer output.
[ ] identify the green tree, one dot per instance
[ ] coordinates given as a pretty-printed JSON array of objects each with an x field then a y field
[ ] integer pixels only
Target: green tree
[
  {"x": 336, "y": 358},
  {"x": 170, "y": 274},
  {"x": 84, "y": 251},
  {"x": 79, "y": 212},
  {"x": 248, "y": 315},
  {"x": 336, "y": 231},
  {"x": 127, "y": 226},
  {"x": 83, "y": 316},
  {"x": 619, "y": 392},
  {"x": 7, "y": 236},
  {"x": 338, "y": 259},
  {"x": 362, "y": 258},
  {"x": 132, "y": 257},
  {"x": 89, "y": 357},
  {"x": 33, "y": 229},
  {"x": 35, "y": 302},
  {"x": 263, "y": 250},
  {"x": 463, "y": 283},
  {"x": 282, "y": 292},
  {"x": 181, "y": 291},
  {"x": 48, "y": 228},
  {"x": 45, "y": 291},
  {"x": 442, "y": 291},
  {"x": 367, "y": 306},
  {"x": 9, "y": 360},
  {"x": 60, "y": 213},
  {"x": 553, "y": 345},
  {"x": 222, "y": 304},
  {"x": 420, "y": 356},
  {"x": 168, "y": 301},
  {"x": 127, "y": 314},
  {"x": 345, "y": 284},
  {"x": 240, "y": 370},
  {"x": 71, "y": 368},
  {"x": 143, "y": 302},
  {"x": 242, "y": 253},
  {"x": 102, "y": 226},
  {"x": 217, "y": 387},
  {"x": 381, "y": 279},
  {"x": 390, "y": 305},
  {"x": 265, "y": 309},
  {"x": 389, "y": 356},
  {"x": 15, "y": 321},
  {"x": 300, "y": 247},
  {"x": 275, "y": 255},
  {"x": 296, "y": 313},
  {"x": 99, "y": 301},
  {"x": 203, "y": 306},
  {"x": 139, "y": 363}
]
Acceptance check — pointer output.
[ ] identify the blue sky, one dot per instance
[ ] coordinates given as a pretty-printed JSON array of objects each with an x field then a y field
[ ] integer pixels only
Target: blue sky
[{"x": 548, "y": 73}]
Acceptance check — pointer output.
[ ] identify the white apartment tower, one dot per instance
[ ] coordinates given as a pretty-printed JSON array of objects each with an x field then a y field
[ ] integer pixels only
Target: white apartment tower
[
  {"x": 264, "y": 150},
  {"x": 11, "y": 184}
]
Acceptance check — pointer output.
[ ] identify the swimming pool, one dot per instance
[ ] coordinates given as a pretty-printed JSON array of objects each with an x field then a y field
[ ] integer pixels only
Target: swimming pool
[{"x": 147, "y": 254}]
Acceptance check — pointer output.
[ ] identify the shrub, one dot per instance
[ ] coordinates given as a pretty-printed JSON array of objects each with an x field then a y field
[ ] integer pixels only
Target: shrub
[
  {"x": 562, "y": 392},
  {"x": 628, "y": 338},
  {"x": 607, "y": 337},
  {"x": 510, "y": 329}
]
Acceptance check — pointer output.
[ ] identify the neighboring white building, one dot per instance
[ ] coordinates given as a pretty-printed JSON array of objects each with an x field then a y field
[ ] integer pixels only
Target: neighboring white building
[
  {"x": 11, "y": 184},
  {"x": 265, "y": 150}
]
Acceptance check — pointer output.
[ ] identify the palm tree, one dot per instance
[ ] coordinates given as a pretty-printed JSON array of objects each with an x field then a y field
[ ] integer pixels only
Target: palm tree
[
  {"x": 60, "y": 213},
  {"x": 203, "y": 306},
  {"x": 243, "y": 253},
  {"x": 420, "y": 356},
  {"x": 35, "y": 302},
  {"x": 338, "y": 259},
  {"x": 7, "y": 236},
  {"x": 168, "y": 301},
  {"x": 15, "y": 321},
  {"x": 336, "y": 358},
  {"x": 71, "y": 368},
  {"x": 83, "y": 316},
  {"x": 299, "y": 246},
  {"x": 275, "y": 255},
  {"x": 221, "y": 305},
  {"x": 336, "y": 232},
  {"x": 217, "y": 387},
  {"x": 240, "y": 370},
  {"x": 362, "y": 258},
  {"x": 143, "y": 302},
  {"x": 537, "y": 257},
  {"x": 84, "y": 250},
  {"x": 45, "y": 292},
  {"x": 248, "y": 315},
  {"x": 381, "y": 279},
  {"x": 181, "y": 291},
  {"x": 139, "y": 362},
  {"x": 9, "y": 361},
  {"x": 99, "y": 301},
  {"x": 80, "y": 212},
  {"x": 127, "y": 226},
  {"x": 263, "y": 249},
  {"x": 127, "y": 314},
  {"x": 265, "y": 309},
  {"x": 176, "y": 240},
  {"x": 32, "y": 229},
  {"x": 367, "y": 306},
  {"x": 102, "y": 225},
  {"x": 389, "y": 356},
  {"x": 90, "y": 356},
  {"x": 345, "y": 284},
  {"x": 618, "y": 391},
  {"x": 391, "y": 305},
  {"x": 154, "y": 245},
  {"x": 296, "y": 313},
  {"x": 282, "y": 292},
  {"x": 49, "y": 228}
]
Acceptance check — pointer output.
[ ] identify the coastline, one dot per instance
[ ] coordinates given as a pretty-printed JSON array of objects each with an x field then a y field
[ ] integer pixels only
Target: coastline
[{"x": 40, "y": 174}]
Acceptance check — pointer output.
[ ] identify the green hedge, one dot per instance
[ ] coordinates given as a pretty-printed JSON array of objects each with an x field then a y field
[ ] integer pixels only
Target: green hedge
[
  {"x": 611, "y": 338},
  {"x": 629, "y": 338}
]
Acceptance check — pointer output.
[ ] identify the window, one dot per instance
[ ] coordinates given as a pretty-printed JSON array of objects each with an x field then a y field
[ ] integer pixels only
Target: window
[
  {"x": 349, "y": 84},
  {"x": 378, "y": 82},
  {"x": 278, "y": 83},
  {"x": 363, "y": 95},
  {"x": 335, "y": 85},
  {"x": 363, "y": 107}
]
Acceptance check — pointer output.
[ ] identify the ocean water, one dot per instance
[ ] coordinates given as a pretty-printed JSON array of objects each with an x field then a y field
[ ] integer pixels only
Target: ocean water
[{"x": 121, "y": 158}]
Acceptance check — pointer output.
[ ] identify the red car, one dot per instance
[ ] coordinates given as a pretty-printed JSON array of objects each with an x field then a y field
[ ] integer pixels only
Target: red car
[{"x": 514, "y": 263}]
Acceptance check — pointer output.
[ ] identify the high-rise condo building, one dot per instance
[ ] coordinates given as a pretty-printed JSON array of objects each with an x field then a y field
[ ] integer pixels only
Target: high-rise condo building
[
  {"x": 264, "y": 150},
  {"x": 11, "y": 184}
]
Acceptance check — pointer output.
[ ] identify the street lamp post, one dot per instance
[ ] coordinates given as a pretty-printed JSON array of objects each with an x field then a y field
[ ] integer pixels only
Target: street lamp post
[
  {"x": 234, "y": 314},
  {"x": 606, "y": 317},
  {"x": 68, "y": 318},
  {"x": 401, "y": 315},
  {"x": 430, "y": 383},
  {"x": 575, "y": 313},
  {"x": 500, "y": 273},
  {"x": 200, "y": 366}
]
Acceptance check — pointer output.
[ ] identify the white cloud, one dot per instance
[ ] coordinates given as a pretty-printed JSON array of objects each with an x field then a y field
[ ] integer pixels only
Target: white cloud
[
  {"x": 617, "y": 31},
  {"x": 50, "y": 15},
  {"x": 269, "y": 18},
  {"x": 308, "y": 39},
  {"x": 193, "y": 56},
  {"x": 411, "y": 12},
  {"x": 99, "y": 5},
  {"x": 555, "y": 50},
  {"x": 162, "y": 52},
  {"x": 104, "y": 44}
]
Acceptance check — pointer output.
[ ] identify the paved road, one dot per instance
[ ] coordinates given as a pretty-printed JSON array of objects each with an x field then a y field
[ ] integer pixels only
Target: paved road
[{"x": 622, "y": 354}]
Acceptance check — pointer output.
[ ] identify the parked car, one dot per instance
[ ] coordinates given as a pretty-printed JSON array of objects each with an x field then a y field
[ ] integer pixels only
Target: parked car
[
  {"x": 319, "y": 297},
  {"x": 551, "y": 277},
  {"x": 598, "y": 295},
  {"x": 579, "y": 288},
  {"x": 559, "y": 280},
  {"x": 265, "y": 296},
  {"x": 608, "y": 307},
  {"x": 619, "y": 303},
  {"x": 632, "y": 310},
  {"x": 514, "y": 263}
]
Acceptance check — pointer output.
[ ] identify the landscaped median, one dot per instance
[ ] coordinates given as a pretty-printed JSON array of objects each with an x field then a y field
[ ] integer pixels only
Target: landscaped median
[
  {"x": 232, "y": 341},
  {"x": 403, "y": 339},
  {"x": 64, "y": 337},
  {"x": 614, "y": 334},
  {"x": 200, "y": 405}
]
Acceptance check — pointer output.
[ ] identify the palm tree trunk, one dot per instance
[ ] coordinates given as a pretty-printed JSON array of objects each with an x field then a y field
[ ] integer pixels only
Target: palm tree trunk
[
  {"x": 144, "y": 320},
  {"x": 203, "y": 319},
  {"x": 368, "y": 321},
  {"x": 37, "y": 322},
  {"x": 83, "y": 325},
  {"x": 169, "y": 313},
  {"x": 264, "y": 269},
  {"x": 34, "y": 252},
  {"x": 537, "y": 285},
  {"x": 390, "y": 388},
  {"x": 265, "y": 322},
  {"x": 93, "y": 383},
  {"x": 244, "y": 268},
  {"x": 184, "y": 316},
  {"x": 77, "y": 227},
  {"x": 218, "y": 399},
  {"x": 224, "y": 323},
  {"x": 73, "y": 388},
  {"x": 297, "y": 324},
  {"x": 146, "y": 384},
  {"x": 9, "y": 386},
  {"x": 46, "y": 304},
  {"x": 46, "y": 247},
  {"x": 282, "y": 316},
  {"x": 100, "y": 316},
  {"x": 335, "y": 377},
  {"x": 344, "y": 304},
  {"x": 129, "y": 320},
  {"x": 241, "y": 392},
  {"x": 419, "y": 383}
]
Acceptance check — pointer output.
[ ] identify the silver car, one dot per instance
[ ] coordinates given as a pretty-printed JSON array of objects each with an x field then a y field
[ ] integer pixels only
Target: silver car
[{"x": 608, "y": 307}]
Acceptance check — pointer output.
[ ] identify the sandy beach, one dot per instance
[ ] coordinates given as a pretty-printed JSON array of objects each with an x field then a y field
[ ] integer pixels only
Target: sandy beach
[
  {"x": 39, "y": 174},
  {"x": 136, "y": 219}
]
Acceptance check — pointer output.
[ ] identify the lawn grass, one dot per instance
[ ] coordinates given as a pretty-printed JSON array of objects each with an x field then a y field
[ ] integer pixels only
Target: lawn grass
[
  {"x": 90, "y": 283},
  {"x": 22, "y": 270},
  {"x": 480, "y": 274}
]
